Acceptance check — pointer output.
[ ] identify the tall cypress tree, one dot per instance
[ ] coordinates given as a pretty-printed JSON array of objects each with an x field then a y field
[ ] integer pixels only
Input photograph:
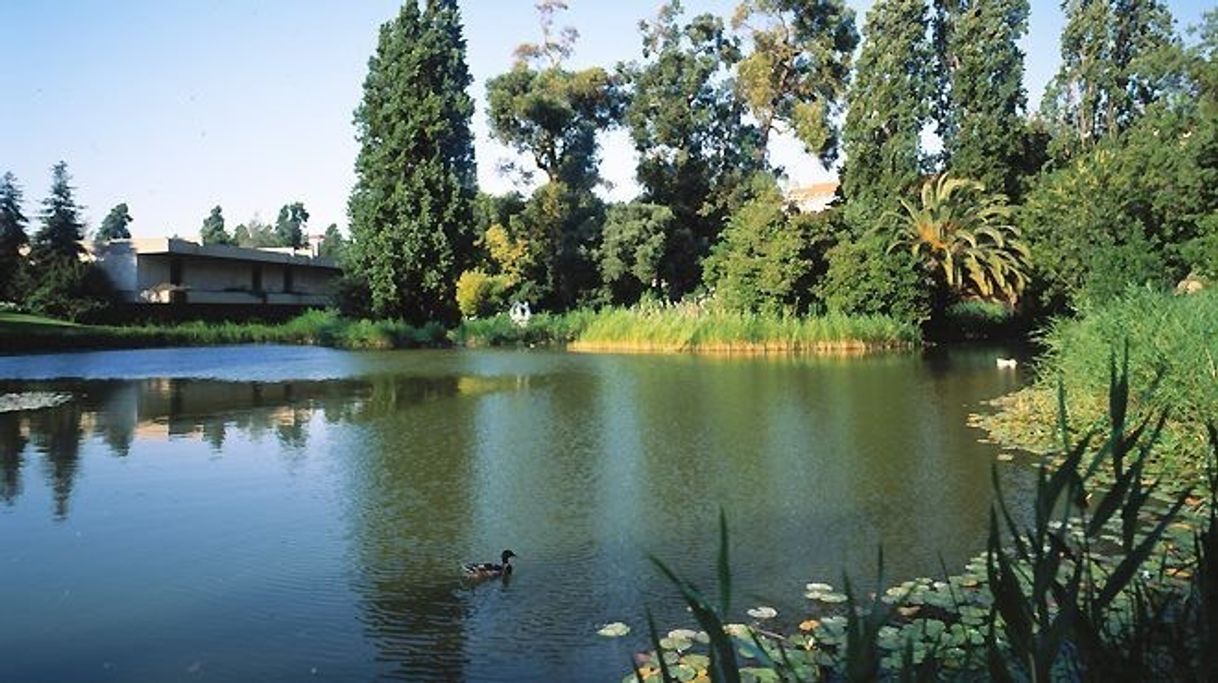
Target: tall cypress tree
[
  {"x": 411, "y": 209},
  {"x": 62, "y": 229},
  {"x": 888, "y": 107},
  {"x": 980, "y": 118},
  {"x": 1109, "y": 74}
]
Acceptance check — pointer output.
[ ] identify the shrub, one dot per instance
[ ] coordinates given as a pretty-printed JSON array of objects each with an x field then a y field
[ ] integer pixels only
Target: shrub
[
  {"x": 865, "y": 278},
  {"x": 765, "y": 260},
  {"x": 480, "y": 295},
  {"x": 69, "y": 288}
]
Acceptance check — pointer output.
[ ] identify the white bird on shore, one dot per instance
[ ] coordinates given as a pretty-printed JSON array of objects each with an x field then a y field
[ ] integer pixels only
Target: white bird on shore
[{"x": 1007, "y": 362}]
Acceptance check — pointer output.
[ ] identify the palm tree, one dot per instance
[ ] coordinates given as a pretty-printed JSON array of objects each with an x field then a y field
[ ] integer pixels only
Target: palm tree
[{"x": 965, "y": 234}]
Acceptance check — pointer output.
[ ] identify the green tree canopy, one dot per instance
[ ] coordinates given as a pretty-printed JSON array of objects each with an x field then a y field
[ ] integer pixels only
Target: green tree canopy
[
  {"x": 796, "y": 73},
  {"x": 332, "y": 243},
  {"x": 889, "y": 105},
  {"x": 764, "y": 261},
  {"x": 411, "y": 209},
  {"x": 1116, "y": 60},
  {"x": 12, "y": 220},
  {"x": 62, "y": 228},
  {"x": 982, "y": 98},
  {"x": 213, "y": 231},
  {"x": 687, "y": 124},
  {"x": 289, "y": 226},
  {"x": 632, "y": 248},
  {"x": 114, "y": 225}
]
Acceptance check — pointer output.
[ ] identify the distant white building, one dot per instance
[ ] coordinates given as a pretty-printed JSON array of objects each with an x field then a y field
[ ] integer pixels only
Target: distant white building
[
  {"x": 176, "y": 271},
  {"x": 813, "y": 198}
]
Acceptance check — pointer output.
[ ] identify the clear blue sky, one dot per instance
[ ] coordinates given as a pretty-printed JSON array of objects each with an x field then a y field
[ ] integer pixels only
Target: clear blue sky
[{"x": 174, "y": 106}]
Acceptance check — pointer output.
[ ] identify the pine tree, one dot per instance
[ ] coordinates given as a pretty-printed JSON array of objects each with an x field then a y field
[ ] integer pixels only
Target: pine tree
[
  {"x": 980, "y": 118},
  {"x": 888, "y": 103},
  {"x": 12, "y": 220},
  {"x": 114, "y": 225},
  {"x": 62, "y": 229},
  {"x": 1110, "y": 72},
  {"x": 12, "y": 237},
  {"x": 213, "y": 231},
  {"x": 411, "y": 208}
]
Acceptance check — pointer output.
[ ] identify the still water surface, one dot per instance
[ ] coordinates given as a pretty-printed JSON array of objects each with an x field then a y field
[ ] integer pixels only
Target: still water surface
[{"x": 283, "y": 513}]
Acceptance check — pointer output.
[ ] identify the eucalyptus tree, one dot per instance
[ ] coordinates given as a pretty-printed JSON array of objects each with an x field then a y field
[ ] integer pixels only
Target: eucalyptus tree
[
  {"x": 553, "y": 115},
  {"x": 114, "y": 225},
  {"x": 982, "y": 101},
  {"x": 889, "y": 104},
  {"x": 965, "y": 235},
  {"x": 795, "y": 75},
  {"x": 688, "y": 126},
  {"x": 411, "y": 208}
]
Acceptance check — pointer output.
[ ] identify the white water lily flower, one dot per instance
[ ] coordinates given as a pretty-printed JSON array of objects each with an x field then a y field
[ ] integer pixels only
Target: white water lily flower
[
  {"x": 763, "y": 613},
  {"x": 615, "y": 630}
]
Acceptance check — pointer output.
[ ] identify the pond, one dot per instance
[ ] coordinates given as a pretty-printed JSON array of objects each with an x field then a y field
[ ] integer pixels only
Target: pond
[{"x": 277, "y": 513}]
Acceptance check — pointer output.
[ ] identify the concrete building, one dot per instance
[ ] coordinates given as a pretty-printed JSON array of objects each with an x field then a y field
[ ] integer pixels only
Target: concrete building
[{"x": 179, "y": 272}]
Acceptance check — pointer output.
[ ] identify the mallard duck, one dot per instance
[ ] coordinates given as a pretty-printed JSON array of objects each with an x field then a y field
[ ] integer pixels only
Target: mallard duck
[{"x": 490, "y": 570}]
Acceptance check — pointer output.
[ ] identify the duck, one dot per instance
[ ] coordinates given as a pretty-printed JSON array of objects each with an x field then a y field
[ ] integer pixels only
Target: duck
[
  {"x": 490, "y": 570},
  {"x": 1007, "y": 362}
]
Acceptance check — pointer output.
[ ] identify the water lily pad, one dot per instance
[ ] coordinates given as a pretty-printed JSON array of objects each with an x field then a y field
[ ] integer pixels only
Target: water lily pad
[
  {"x": 678, "y": 644},
  {"x": 696, "y": 660},
  {"x": 615, "y": 630},
  {"x": 763, "y": 612},
  {"x": 819, "y": 587},
  {"x": 808, "y": 625}
]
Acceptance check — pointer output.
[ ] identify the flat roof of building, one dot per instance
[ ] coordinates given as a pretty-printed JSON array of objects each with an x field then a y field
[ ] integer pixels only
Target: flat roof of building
[{"x": 176, "y": 246}]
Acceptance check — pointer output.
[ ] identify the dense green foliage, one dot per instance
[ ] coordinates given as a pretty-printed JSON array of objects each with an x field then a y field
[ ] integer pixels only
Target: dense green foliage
[
  {"x": 290, "y": 225},
  {"x": 696, "y": 149},
  {"x": 889, "y": 102},
  {"x": 631, "y": 256},
  {"x": 12, "y": 236},
  {"x": 982, "y": 96},
  {"x": 62, "y": 227},
  {"x": 865, "y": 277},
  {"x": 114, "y": 225},
  {"x": 765, "y": 260},
  {"x": 1116, "y": 61},
  {"x": 213, "y": 231},
  {"x": 1168, "y": 335},
  {"x": 411, "y": 207},
  {"x": 796, "y": 73}
]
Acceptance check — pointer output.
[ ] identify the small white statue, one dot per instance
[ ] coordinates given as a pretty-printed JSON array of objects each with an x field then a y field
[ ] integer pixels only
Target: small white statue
[{"x": 520, "y": 313}]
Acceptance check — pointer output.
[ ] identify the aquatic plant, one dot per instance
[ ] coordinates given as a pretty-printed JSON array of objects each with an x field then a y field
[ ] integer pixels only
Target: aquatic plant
[{"x": 1099, "y": 579}]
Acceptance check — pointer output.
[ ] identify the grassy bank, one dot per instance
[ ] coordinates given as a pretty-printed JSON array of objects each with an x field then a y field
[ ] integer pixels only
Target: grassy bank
[
  {"x": 661, "y": 329},
  {"x": 1176, "y": 336},
  {"x": 687, "y": 328},
  {"x": 20, "y": 333}
]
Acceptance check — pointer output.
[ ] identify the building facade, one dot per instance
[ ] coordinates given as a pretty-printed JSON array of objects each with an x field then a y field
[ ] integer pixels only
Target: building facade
[{"x": 171, "y": 271}]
